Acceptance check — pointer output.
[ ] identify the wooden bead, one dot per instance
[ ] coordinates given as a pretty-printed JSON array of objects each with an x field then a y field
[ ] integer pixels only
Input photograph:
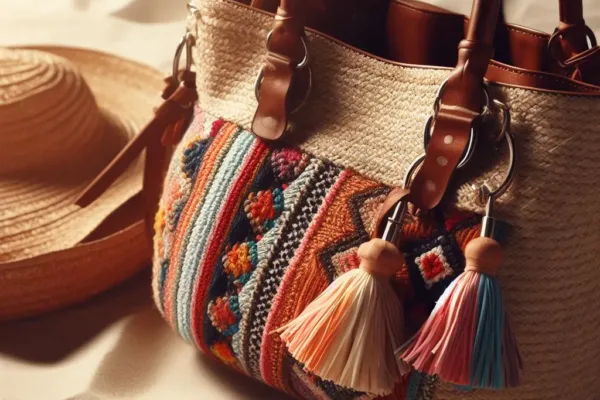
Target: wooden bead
[
  {"x": 380, "y": 258},
  {"x": 484, "y": 255}
]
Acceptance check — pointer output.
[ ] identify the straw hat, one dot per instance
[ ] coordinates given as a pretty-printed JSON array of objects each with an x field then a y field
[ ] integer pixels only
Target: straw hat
[{"x": 64, "y": 113}]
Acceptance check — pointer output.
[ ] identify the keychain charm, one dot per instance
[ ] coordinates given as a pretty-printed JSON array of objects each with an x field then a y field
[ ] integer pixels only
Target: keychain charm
[{"x": 467, "y": 340}]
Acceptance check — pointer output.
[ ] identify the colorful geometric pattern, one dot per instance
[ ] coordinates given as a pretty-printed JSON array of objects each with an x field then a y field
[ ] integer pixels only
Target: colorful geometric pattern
[
  {"x": 433, "y": 266},
  {"x": 248, "y": 235},
  {"x": 263, "y": 208}
]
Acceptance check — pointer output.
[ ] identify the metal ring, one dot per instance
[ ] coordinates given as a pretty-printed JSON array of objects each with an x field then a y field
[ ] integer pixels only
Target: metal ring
[
  {"x": 303, "y": 64},
  {"x": 589, "y": 33},
  {"x": 412, "y": 168},
  {"x": 186, "y": 41},
  {"x": 485, "y": 192},
  {"x": 192, "y": 9},
  {"x": 305, "y": 61},
  {"x": 438, "y": 97}
]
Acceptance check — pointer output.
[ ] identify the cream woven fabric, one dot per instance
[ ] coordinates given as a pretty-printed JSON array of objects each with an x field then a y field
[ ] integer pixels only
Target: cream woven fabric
[{"x": 369, "y": 115}]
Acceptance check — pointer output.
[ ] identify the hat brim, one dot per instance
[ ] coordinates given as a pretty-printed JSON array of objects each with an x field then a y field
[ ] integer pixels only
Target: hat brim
[
  {"x": 61, "y": 278},
  {"x": 126, "y": 93}
]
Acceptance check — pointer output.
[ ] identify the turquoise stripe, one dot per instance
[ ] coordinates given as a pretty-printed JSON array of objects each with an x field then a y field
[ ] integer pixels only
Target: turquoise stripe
[
  {"x": 185, "y": 230},
  {"x": 487, "y": 366},
  {"x": 203, "y": 225}
]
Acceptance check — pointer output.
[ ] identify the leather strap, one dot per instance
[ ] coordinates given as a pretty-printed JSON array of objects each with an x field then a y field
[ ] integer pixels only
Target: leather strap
[
  {"x": 586, "y": 66},
  {"x": 158, "y": 137},
  {"x": 421, "y": 34},
  {"x": 285, "y": 53},
  {"x": 462, "y": 102},
  {"x": 571, "y": 11},
  {"x": 267, "y": 5},
  {"x": 572, "y": 28}
]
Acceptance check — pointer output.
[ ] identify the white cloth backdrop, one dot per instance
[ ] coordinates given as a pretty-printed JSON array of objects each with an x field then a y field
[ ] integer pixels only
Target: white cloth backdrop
[{"x": 116, "y": 346}]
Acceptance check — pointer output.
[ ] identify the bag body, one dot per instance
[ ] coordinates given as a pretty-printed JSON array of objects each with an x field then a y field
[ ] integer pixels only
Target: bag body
[{"x": 249, "y": 233}]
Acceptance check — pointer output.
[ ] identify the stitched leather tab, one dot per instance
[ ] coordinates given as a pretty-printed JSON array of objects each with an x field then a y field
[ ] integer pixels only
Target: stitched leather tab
[
  {"x": 462, "y": 101},
  {"x": 285, "y": 53},
  {"x": 271, "y": 117},
  {"x": 446, "y": 147}
]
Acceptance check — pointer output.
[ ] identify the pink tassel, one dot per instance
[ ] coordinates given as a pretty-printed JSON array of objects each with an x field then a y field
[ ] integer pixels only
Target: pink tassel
[
  {"x": 348, "y": 334},
  {"x": 467, "y": 339}
]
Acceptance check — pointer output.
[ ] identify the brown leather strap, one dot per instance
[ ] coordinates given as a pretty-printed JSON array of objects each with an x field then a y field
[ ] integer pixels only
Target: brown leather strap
[
  {"x": 571, "y": 11},
  {"x": 286, "y": 51},
  {"x": 419, "y": 33},
  {"x": 572, "y": 29},
  {"x": 586, "y": 66},
  {"x": 462, "y": 101},
  {"x": 267, "y": 5},
  {"x": 166, "y": 128}
]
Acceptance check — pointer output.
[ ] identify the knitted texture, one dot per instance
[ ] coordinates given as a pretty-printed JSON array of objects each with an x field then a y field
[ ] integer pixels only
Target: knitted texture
[
  {"x": 367, "y": 115},
  {"x": 248, "y": 235}
]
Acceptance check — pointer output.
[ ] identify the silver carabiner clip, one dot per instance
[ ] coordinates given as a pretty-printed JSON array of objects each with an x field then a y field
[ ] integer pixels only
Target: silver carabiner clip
[
  {"x": 187, "y": 43},
  {"x": 392, "y": 228}
]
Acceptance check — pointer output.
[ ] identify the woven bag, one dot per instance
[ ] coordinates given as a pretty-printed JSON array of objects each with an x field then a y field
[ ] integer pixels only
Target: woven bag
[{"x": 251, "y": 230}]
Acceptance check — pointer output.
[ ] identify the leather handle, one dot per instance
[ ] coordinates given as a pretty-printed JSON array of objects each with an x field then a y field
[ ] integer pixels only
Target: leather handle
[
  {"x": 462, "y": 101},
  {"x": 572, "y": 30},
  {"x": 571, "y": 11}
]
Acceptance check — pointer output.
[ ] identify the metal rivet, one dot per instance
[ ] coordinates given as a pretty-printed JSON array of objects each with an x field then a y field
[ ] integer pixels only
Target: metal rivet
[
  {"x": 430, "y": 186},
  {"x": 442, "y": 161},
  {"x": 448, "y": 139}
]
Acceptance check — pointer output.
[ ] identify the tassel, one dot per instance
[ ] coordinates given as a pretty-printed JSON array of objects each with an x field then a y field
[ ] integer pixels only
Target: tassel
[
  {"x": 348, "y": 334},
  {"x": 467, "y": 339}
]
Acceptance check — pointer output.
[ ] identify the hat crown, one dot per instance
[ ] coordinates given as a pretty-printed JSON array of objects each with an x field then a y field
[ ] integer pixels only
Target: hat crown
[{"x": 47, "y": 111}]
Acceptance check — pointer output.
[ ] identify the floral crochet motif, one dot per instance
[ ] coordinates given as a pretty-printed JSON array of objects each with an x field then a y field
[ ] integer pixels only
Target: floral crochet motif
[
  {"x": 224, "y": 314},
  {"x": 288, "y": 164},
  {"x": 240, "y": 261},
  {"x": 263, "y": 208},
  {"x": 248, "y": 234}
]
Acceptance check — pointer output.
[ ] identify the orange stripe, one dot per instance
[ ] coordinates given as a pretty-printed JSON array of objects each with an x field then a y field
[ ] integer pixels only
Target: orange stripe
[
  {"x": 199, "y": 191},
  {"x": 305, "y": 278},
  {"x": 231, "y": 207}
]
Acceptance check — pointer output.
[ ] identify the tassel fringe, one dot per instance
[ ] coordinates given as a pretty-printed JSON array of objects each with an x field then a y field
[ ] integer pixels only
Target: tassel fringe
[
  {"x": 468, "y": 340},
  {"x": 348, "y": 334}
]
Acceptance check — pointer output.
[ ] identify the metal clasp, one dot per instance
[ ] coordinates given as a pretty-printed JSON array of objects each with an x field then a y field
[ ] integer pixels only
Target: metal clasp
[
  {"x": 556, "y": 35},
  {"x": 305, "y": 63},
  {"x": 187, "y": 43},
  {"x": 394, "y": 221}
]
